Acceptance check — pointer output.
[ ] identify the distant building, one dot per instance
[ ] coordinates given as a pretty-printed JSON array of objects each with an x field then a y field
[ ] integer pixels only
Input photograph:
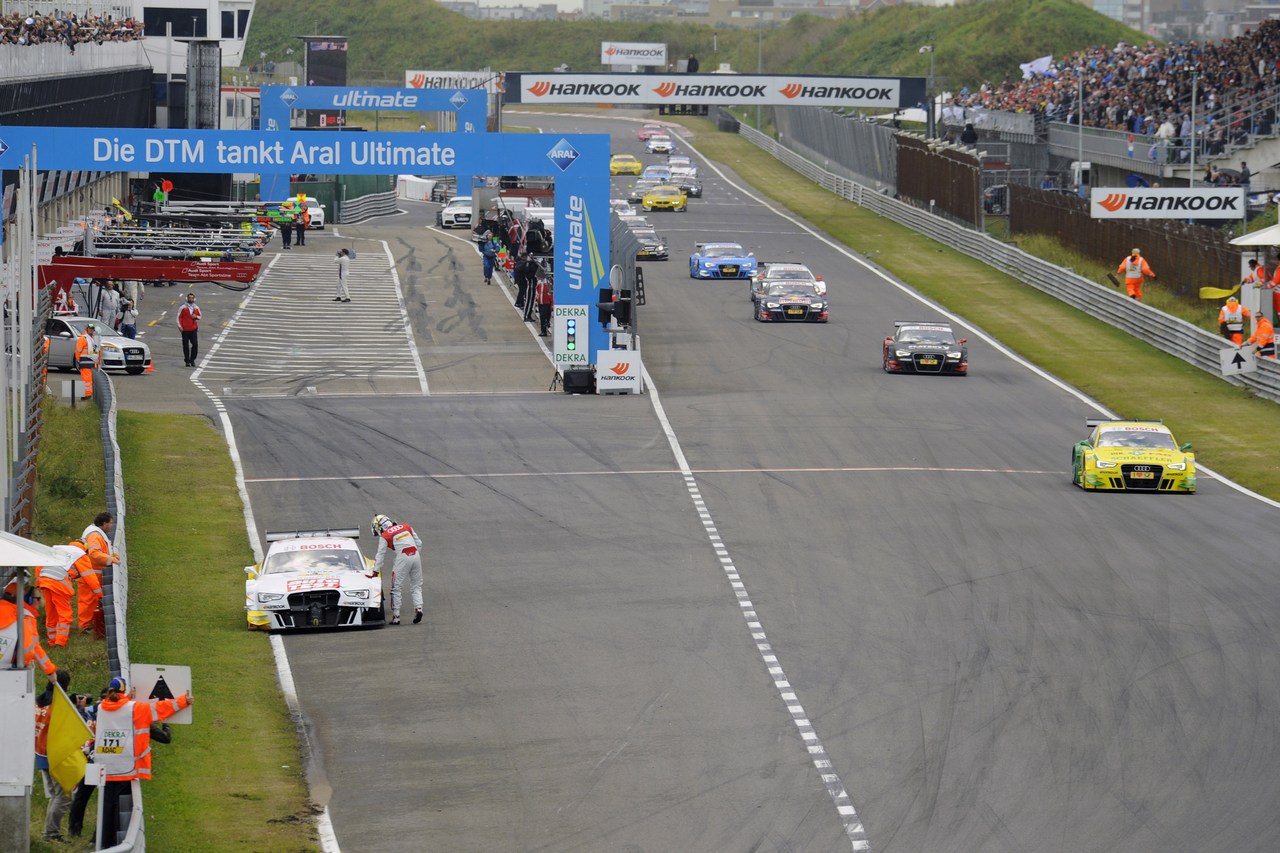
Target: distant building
[{"x": 476, "y": 11}]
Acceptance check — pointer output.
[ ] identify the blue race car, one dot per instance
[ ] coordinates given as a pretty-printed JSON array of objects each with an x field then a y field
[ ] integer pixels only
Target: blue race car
[{"x": 721, "y": 260}]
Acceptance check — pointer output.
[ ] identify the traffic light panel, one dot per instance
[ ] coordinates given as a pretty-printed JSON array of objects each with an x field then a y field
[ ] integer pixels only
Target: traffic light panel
[{"x": 571, "y": 334}]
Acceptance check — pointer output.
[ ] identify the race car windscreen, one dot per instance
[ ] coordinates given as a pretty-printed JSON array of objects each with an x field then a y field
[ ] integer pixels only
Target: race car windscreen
[
  {"x": 925, "y": 335},
  {"x": 792, "y": 290},
  {"x": 722, "y": 251},
  {"x": 1148, "y": 439},
  {"x": 789, "y": 275},
  {"x": 300, "y": 561}
]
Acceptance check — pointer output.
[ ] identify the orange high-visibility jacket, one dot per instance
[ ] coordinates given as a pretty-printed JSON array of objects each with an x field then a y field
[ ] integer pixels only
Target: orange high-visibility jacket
[
  {"x": 33, "y": 651},
  {"x": 132, "y": 719},
  {"x": 1134, "y": 268},
  {"x": 1264, "y": 335}
]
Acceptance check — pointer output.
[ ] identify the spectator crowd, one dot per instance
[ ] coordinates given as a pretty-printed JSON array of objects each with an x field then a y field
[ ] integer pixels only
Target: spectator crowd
[
  {"x": 22, "y": 29},
  {"x": 1147, "y": 90}
]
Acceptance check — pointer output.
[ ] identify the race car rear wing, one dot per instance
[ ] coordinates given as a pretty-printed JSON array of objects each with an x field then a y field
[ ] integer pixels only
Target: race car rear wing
[
  {"x": 343, "y": 532},
  {"x": 897, "y": 323},
  {"x": 1096, "y": 422}
]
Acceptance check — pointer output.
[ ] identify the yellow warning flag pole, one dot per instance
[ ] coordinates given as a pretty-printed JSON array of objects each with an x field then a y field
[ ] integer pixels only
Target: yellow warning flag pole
[{"x": 1218, "y": 292}]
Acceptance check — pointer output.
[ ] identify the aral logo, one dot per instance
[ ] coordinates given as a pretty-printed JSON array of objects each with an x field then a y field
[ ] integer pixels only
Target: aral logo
[
  {"x": 665, "y": 90},
  {"x": 3, "y": 147},
  {"x": 563, "y": 154},
  {"x": 1113, "y": 202},
  {"x": 791, "y": 89},
  {"x": 621, "y": 367},
  {"x": 288, "y": 96},
  {"x": 458, "y": 100},
  {"x": 540, "y": 89}
]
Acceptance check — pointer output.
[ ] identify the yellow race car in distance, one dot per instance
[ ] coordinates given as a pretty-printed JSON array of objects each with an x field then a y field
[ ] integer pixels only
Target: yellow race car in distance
[
  {"x": 1132, "y": 456},
  {"x": 625, "y": 164},
  {"x": 665, "y": 197}
]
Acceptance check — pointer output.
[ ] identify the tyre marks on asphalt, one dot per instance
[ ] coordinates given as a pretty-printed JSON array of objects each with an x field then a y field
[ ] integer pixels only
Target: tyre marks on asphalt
[{"x": 290, "y": 338}]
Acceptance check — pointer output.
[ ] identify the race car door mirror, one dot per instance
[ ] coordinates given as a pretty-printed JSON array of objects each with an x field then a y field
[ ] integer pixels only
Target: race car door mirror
[
  {"x": 251, "y": 571},
  {"x": 1186, "y": 448},
  {"x": 962, "y": 340}
]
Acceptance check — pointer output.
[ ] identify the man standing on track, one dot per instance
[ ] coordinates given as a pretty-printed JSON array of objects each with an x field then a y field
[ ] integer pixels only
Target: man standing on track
[
  {"x": 344, "y": 262},
  {"x": 400, "y": 539}
]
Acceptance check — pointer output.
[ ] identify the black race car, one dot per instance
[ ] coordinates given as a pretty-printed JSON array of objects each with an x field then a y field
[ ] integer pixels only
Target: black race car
[
  {"x": 797, "y": 301},
  {"x": 924, "y": 347}
]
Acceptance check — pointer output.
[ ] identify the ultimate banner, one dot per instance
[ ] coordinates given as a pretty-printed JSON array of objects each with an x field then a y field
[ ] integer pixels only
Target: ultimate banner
[
  {"x": 578, "y": 162},
  {"x": 772, "y": 90}
]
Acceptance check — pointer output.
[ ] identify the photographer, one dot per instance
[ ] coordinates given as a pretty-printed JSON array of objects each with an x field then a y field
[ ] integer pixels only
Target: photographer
[{"x": 128, "y": 318}]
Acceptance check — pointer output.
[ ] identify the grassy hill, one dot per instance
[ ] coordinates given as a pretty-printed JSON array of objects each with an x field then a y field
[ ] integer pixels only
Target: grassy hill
[{"x": 974, "y": 41}]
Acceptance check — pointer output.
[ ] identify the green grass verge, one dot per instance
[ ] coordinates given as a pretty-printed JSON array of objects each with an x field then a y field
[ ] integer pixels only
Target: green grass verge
[
  {"x": 1231, "y": 428},
  {"x": 233, "y": 780}
]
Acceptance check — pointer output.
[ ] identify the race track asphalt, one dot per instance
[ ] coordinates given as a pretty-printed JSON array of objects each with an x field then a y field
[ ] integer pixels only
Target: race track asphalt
[{"x": 652, "y": 619}]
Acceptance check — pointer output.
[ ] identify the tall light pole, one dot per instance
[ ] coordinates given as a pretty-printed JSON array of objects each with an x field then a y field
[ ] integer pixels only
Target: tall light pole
[
  {"x": 1080, "y": 134},
  {"x": 1191, "y": 180},
  {"x": 929, "y": 129},
  {"x": 759, "y": 59}
]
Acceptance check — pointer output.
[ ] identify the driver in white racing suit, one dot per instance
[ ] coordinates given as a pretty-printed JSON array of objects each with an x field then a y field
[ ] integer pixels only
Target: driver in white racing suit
[{"x": 407, "y": 547}]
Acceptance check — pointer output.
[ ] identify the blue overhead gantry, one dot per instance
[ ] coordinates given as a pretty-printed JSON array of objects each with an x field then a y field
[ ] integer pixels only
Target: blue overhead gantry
[{"x": 578, "y": 162}]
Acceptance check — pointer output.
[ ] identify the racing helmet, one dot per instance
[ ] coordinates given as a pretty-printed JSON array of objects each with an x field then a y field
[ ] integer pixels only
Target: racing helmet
[{"x": 380, "y": 523}]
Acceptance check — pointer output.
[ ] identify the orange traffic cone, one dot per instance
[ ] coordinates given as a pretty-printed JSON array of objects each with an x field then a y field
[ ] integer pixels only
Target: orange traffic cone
[{"x": 151, "y": 368}]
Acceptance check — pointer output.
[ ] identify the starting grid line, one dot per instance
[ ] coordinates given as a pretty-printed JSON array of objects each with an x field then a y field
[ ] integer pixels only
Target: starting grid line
[{"x": 641, "y": 472}]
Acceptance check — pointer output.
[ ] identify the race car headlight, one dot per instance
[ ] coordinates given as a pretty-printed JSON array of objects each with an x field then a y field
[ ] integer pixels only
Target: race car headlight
[
  {"x": 772, "y": 305},
  {"x": 953, "y": 355},
  {"x": 264, "y": 597},
  {"x": 110, "y": 346},
  {"x": 1177, "y": 466},
  {"x": 357, "y": 593},
  {"x": 819, "y": 306},
  {"x": 902, "y": 353},
  {"x": 1102, "y": 463}
]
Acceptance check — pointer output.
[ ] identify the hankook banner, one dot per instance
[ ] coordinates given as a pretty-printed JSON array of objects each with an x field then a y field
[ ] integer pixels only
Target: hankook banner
[
  {"x": 633, "y": 53},
  {"x": 1183, "y": 203},
  {"x": 890, "y": 93},
  {"x": 490, "y": 81}
]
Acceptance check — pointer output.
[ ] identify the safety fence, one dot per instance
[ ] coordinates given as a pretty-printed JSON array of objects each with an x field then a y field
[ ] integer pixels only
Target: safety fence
[
  {"x": 115, "y": 593},
  {"x": 1177, "y": 337},
  {"x": 367, "y": 206}
]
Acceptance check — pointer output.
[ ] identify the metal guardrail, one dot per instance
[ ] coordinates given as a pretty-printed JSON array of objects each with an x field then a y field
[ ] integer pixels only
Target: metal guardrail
[
  {"x": 1169, "y": 334},
  {"x": 366, "y": 207}
]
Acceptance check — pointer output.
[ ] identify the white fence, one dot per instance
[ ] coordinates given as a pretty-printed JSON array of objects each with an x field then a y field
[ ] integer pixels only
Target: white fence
[{"x": 1176, "y": 337}]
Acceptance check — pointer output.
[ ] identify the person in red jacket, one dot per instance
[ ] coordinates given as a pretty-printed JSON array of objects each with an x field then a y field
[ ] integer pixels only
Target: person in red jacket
[
  {"x": 189, "y": 324},
  {"x": 544, "y": 295},
  {"x": 122, "y": 745}
]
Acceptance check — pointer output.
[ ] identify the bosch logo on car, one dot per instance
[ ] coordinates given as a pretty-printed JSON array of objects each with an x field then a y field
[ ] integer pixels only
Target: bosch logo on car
[
  {"x": 563, "y": 155},
  {"x": 319, "y": 546}
]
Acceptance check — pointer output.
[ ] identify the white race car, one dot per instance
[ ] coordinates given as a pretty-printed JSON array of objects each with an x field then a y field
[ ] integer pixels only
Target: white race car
[{"x": 313, "y": 579}]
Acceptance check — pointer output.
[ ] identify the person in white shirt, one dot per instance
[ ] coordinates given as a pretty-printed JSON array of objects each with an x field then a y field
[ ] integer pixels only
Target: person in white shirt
[{"x": 343, "y": 260}]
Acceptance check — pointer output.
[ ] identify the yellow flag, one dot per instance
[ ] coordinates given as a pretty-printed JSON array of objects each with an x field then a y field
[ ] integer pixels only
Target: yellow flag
[
  {"x": 67, "y": 735},
  {"x": 1217, "y": 292}
]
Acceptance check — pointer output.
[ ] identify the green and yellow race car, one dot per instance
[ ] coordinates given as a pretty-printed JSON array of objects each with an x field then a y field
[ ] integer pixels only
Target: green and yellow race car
[{"x": 1133, "y": 456}]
